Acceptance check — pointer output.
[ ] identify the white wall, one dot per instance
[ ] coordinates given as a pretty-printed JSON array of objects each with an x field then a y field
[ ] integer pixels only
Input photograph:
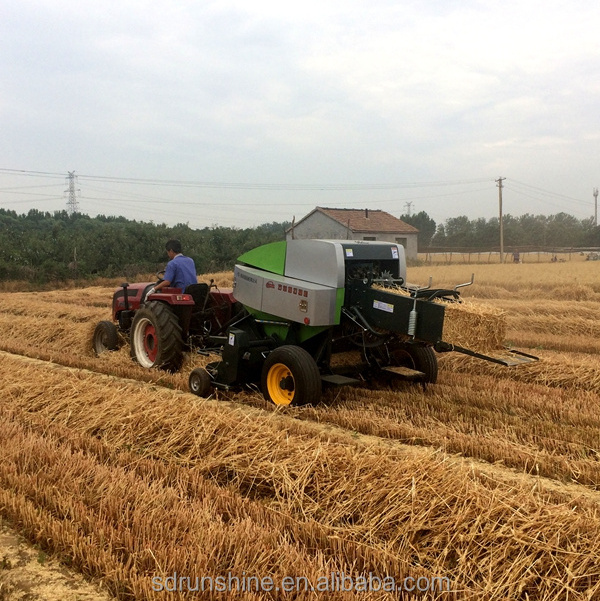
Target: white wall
[{"x": 320, "y": 226}]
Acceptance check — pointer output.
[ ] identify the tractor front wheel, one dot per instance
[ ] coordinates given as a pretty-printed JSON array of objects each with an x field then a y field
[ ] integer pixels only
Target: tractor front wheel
[
  {"x": 156, "y": 338},
  {"x": 106, "y": 337},
  {"x": 290, "y": 376}
]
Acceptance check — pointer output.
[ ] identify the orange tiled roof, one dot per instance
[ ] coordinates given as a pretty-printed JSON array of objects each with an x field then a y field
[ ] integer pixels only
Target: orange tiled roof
[{"x": 368, "y": 220}]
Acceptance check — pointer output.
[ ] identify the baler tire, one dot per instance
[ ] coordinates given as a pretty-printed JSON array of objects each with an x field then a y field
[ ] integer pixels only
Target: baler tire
[
  {"x": 290, "y": 376},
  {"x": 423, "y": 359},
  {"x": 156, "y": 337},
  {"x": 426, "y": 361},
  {"x": 200, "y": 382},
  {"x": 105, "y": 338}
]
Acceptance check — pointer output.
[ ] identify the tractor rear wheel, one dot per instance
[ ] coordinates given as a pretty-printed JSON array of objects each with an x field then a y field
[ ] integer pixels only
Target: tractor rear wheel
[
  {"x": 200, "y": 382},
  {"x": 156, "y": 338},
  {"x": 290, "y": 376},
  {"x": 106, "y": 337},
  {"x": 419, "y": 357}
]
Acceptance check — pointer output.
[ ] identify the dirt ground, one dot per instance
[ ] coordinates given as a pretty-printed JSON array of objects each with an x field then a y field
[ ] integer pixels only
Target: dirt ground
[{"x": 28, "y": 574}]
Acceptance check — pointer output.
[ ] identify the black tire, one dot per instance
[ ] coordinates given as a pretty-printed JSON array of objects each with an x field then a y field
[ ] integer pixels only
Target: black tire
[
  {"x": 106, "y": 337},
  {"x": 290, "y": 376},
  {"x": 156, "y": 338},
  {"x": 419, "y": 357},
  {"x": 200, "y": 382}
]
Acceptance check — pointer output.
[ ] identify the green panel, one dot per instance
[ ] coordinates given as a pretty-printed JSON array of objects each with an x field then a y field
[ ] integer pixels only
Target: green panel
[
  {"x": 270, "y": 329},
  {"x": 292, "y": 334},
  {"x": 270, "y": 257},
  {"x": 306, "y": 332}
]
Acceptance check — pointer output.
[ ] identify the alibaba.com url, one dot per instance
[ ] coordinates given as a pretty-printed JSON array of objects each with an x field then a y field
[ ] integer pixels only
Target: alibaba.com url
[{"x": 334, "y": 582}]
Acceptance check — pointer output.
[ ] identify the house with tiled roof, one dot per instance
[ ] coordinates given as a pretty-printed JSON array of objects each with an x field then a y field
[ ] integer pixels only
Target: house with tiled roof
[{"x": 355, "y": 224}]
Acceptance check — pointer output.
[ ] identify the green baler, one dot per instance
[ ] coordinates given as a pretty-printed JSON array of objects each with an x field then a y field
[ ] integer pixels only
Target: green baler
[{"x": 327, "y": 312}]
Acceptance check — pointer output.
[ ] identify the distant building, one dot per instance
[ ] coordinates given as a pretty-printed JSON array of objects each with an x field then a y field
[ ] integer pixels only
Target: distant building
[{"x": 355, "y": 224}]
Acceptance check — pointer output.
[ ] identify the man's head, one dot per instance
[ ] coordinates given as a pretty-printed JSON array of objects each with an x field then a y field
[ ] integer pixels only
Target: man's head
[{"x": 173, "y": 246}]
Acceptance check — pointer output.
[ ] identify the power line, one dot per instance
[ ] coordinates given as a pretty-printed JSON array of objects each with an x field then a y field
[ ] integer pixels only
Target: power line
[
  {"x": 549, "y": 192},
  {"x": 249, "y": 185},
  {"x": 544, "y": 200},
  {"x": 29, "y": 173},
  {"x": 22, "y": 202},
  {"x": 11, "y": 189}
]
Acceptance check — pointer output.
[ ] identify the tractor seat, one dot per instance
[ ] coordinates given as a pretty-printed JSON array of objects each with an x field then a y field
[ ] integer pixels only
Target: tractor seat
[{"x": 198, "y": 292}]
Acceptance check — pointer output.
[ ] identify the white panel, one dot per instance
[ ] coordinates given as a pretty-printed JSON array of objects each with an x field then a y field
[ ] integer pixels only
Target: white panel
[
  {"x": 284, "y": 297},
  {"x": 318, "y": 261}
]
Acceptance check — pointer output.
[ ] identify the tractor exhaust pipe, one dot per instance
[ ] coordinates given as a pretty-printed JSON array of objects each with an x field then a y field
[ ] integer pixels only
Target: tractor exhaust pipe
[{"x": 125, "y": 285}]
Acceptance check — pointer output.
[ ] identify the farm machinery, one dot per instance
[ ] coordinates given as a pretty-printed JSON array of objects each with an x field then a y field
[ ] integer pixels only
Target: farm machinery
[
  {"x": 302, "y": 314},
  {"x": 161, "y": 326}
]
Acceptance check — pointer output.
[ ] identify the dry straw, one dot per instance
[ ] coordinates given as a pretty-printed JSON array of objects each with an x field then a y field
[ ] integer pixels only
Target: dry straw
[
  {"x": 474, "y": 325},
  {"x": 560, "y": 370},
  {"x": 132, "y": 481}
]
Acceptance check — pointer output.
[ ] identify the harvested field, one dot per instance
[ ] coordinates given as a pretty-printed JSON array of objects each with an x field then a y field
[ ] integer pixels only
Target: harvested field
[{"x": 488, "y": 481}]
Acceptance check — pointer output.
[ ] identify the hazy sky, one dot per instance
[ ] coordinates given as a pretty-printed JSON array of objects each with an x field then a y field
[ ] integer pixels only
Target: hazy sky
[{"x": 238, "y": 113}]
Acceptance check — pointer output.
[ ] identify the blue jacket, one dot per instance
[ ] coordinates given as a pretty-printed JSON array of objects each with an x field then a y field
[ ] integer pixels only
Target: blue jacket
[{"x": 181, "y": 272}]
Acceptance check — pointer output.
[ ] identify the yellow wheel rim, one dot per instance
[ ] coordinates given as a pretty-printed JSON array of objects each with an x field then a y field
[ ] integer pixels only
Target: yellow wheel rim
[{"x": 281, "y": 384}]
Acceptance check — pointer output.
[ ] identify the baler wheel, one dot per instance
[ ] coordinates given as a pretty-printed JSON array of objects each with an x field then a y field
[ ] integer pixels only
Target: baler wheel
[
  {"x": 106, "y": 337},
  {"x": 156, "y": 339},
  {"x": 419, "y": 357},
  {"x": 290, "y": 376},
  {"x": 200, "y": 382}
]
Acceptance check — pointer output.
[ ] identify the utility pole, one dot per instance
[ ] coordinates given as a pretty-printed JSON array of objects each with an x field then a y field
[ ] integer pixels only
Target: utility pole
[
  {"x": 72, "y": 204},
  {"x": 499, "y": 182},
  {"x": 408, "y": 205},
  {"x": 595, "y": 206}
]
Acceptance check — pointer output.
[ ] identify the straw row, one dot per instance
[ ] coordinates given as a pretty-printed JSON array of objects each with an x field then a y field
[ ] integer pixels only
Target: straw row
[
  {"x": 543, "y": 431},
  {"x": 456, "y": 418},
  {"x": 556, "y": 370},
  {"x": 570, "y": 281},
  {"x": 331, "y": 501}
]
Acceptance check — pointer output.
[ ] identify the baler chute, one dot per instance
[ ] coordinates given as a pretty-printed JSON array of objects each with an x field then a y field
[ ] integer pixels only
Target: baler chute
[{"x": 310, "y": 302}]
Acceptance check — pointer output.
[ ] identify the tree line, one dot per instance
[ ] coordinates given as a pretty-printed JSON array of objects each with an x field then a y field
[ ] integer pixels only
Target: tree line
[
  {"x": 548, "y": 231},
  {"x": 43, "y": 247}
]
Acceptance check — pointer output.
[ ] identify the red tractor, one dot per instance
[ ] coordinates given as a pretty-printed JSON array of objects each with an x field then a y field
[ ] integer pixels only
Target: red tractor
[{"x": 163, "y": 325}]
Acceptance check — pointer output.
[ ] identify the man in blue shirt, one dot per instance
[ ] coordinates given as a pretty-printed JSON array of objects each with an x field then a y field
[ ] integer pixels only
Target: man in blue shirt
[{"x": 180, "y": 271}]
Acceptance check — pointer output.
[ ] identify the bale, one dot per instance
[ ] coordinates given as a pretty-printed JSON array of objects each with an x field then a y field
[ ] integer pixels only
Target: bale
[
  {"x": 474, "y": 325},
  {"x": 470, "y": 324}
]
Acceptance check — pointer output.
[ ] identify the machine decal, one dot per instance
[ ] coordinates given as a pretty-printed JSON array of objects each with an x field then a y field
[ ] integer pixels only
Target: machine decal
[
  {"x": 383, "y": 306},
  {"x": 349, "y": 252},
  {"x": 291, "y": 290},
  {"x": 248, "y": 278},
  {"x": 394, "y": 252},
  {"x": 231, "y": 339}
]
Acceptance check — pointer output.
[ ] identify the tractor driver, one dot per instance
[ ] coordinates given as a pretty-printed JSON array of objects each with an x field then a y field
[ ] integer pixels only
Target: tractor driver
[{"x": 180, "y": 271}]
